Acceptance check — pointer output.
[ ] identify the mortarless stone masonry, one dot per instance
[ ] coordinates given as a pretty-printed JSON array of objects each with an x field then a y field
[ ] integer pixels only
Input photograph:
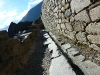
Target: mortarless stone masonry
[{"x": 79, "y": 20}]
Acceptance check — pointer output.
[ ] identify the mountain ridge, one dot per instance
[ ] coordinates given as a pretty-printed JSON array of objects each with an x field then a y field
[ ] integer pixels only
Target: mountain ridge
[{"x": 36, "y": 10}]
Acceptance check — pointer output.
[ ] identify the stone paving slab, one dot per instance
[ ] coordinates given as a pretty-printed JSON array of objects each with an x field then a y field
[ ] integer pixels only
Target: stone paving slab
[
  {"x": 60, "y": 66},
  {"x": 88, "y": 67}
]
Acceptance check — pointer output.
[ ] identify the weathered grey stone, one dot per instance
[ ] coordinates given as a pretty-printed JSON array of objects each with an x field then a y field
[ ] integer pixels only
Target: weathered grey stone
[
  {"x": 63, "y": 20},
  {"x": 56, "y": 15},
  {"x": 63, "y": 26},
  {"x": 69, "y": 26},
  {"x": 58, "y": 26},
  {"x": 66, "y": 5},
  {"x": 82, "y": 16},
  {"x": 78, "y": 26},
  {"x": 67, "y": 13},
  {"x": 59, "y": 20},
  {"x": 89, "y": 67},
  {"x": 59, "y": 11},
  {"x": 68, "y": 0},
  {"x": 63, "y": 2},
  {"x": 81, "y": 36},
  {"x": 62, "y": 9},
  {"x": 77, "y": 5},
  {"x": 69, "y": 34},
  {"x": 56, "y": 3},
  {"x": 71, "y": 19},
  {"x": 59, "y": 2},
  {"x": 56, "y": 21},
  {"x": 93, "y": 28},
  {"x": 66, "y": 46},
  {"x": 67, "y": 20},
  {"x": 59, "y": 6},
  {"x": 94, "y": 46},
  {"x": 56, "y": 9},
  {"x": 79, "y": 58},
  {"x": 94, "y": 39},
  {"x": 73, "y": 51},
  {"x": 95, "y": 13},
  {"x": 60, "y": 15}
]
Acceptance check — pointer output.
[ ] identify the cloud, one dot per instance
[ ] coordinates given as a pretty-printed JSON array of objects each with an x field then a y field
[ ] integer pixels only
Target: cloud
[
  {"x": 6, "y": 23},
  {"x": 8, "y": 16},
  {"x": 33, "y": 3},
  {"x": 21, "y": 15},
  {"x": 1, "y": 3}
]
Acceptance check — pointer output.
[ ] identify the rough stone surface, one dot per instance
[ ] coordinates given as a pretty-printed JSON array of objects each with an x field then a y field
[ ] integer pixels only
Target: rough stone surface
[
  {"x": 90, "y": 68},
  {"x": 81, "y": 36},
  {"x": 69, "y": 34},
  {"x": 82, "y": 16},
  {"x": 59, "y": 68},
  {"x": 58, "y": 26},
  {"x": 78, "y": 26},
  {"x": 95, "y": 47},
  {"x": 95, "y": 13},
  {"x": 63, "y": 26},
  {"x": 94, "y": 39},
  {"x": 62, "y": 9},
  {"x": 77, "y": 5},
  {"x": 87, "y": 67},
  {"x": 69, "y": 26},
  {"x": 93, "y": 28},
  {"x": 63, "y": 20},
  {"x": 66, "y": 46},
  {"x": 63, "y": 2},
  {"x": 73, "y": 19},
  {"x": 73, "y": 51},
  {"x": 66, "y": 5},
  {"x": 67, "y": 12}
]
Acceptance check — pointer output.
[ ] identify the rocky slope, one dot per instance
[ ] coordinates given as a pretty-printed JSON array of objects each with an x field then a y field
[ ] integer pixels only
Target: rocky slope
[{"x": 12, "y": 50}]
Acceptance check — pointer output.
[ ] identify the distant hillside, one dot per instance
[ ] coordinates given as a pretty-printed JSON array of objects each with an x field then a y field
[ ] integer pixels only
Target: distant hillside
[{"x": 33, "y": 13}]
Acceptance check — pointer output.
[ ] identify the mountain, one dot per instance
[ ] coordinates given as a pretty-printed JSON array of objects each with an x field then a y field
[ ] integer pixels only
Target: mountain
[{"x": 33, "y": 14}]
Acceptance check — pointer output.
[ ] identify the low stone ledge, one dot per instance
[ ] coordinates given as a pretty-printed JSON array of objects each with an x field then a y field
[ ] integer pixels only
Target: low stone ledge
[{"x": 88, "y": 67}]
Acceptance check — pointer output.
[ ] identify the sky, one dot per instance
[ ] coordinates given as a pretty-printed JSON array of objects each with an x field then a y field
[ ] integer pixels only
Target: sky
[{"x": 14, "y": 10}]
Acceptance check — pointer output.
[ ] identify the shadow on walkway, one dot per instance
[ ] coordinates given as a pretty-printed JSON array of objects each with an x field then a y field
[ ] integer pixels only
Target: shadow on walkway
[{"x": 33, "y": 66}]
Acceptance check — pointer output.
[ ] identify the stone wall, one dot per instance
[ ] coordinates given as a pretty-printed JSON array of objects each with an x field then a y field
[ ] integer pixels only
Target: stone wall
[{"x": 78, "y": 20}]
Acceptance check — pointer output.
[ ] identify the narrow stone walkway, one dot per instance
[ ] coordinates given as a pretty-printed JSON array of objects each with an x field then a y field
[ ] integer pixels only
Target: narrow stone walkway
[
  {"x": 79, "y": 63},
  {"x": 48, "y": 58},
  {"x": 59, "y": 64}
]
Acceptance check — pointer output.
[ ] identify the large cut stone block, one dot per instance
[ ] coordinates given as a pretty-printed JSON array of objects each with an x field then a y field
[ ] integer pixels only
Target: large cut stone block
[
  {"x": 82, "y": 16},
  {"x": 78, "y": 26},
  {"x": 81, "y": 36},
  {"x": 95, "y": 13},
  {"x": 66, "y": 5},
  {"x": 93, "y": 28},
  {"x": 94, "y": 39},
  {"x": 63, "y": 26},
  {"x": 67, "y": 13},
  {"x": 77, "y": 5},
  {"x": 69, "y": 26}
]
